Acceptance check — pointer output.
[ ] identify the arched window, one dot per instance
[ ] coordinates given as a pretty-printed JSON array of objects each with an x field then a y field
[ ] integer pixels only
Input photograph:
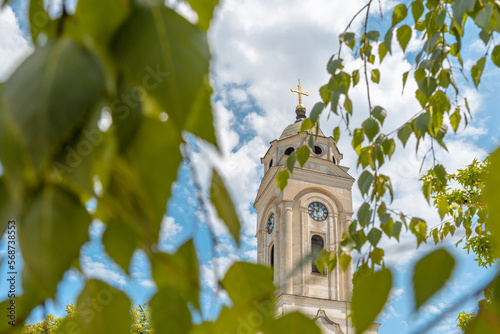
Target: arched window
[
  {"x": 272, "y": 256},
  {"x": 271, "y": 163},
  {"x": 333, "y": 158},
  {"x": 317, "y": 244},
  {"x": 289, "y": 150},
  {"x": 317, "y": 150}
]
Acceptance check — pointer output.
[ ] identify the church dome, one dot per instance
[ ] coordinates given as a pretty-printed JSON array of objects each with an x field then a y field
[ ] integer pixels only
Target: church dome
[{"x": 291, "y": 130}]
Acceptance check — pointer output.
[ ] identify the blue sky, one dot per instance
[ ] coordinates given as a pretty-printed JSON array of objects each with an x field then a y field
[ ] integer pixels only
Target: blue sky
[{"x": 260, "y": 49}]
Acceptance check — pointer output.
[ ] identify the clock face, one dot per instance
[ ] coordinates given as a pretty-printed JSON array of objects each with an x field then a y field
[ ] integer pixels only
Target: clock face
[
  {"x": 270, "y": 224},
  {"x": 318, "y": 211}
]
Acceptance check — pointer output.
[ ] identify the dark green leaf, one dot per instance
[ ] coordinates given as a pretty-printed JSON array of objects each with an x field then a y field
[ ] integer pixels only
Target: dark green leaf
[
  {"x": 40, "y": 23},
  {"x": 404, "y": 133},
  {"x": 290, "y": 161},
  {"x": 180, "y": 270},
  {"x": 405, "y": 77},
  {"x": 303, "y": 154},
  {"x": 379, "y": 113},
  {"x": 364, "y": 214},
  {"x": 55, "y": 221},
  {"x": 224, "y": 206},
  {"x": 374, "y": 236},
  {"x": 282, "y": 179},
  {"x": 430, "y": 275},
  {"x": 173, "y": 79},
  {"x": 477, "y": 70},
  {"x": 404, "y": 35},
  {"x": 333, "y": 64},
  {"x": 389, "y": 146},
  {"x": 398, "y": 14},
  {"x": 371, "y": 128},
  {"x": 48, "y": 77},
  {"x": 120, "y": 241},
  {"x": 169, "y": 311},
  {"x": 103, "y": 309},
  {"x": 373, "y": 35},
  {"x": 460, "y": 7},
  {"x": 365, "y": 181},
  {"x": 388, "y": 41},
  {"x": 369, "y": 297},
  {"x": 316, "y": 111},
  {"x": 427, "y": 86}
]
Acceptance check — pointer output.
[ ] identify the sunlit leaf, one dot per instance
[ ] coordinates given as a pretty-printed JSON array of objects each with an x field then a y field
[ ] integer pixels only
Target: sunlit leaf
[
  {"x": 303, "y": 155},
  {"x": 345, "y": 261},
  {"x": 293, "y": 323},
  {"x": 404, "y": 35},
  {"x": 477, "y": 70},
  {"x": 398, "y": 14},
  {"x": 495, "y": 55},
  {"x": 224, "y": 206},
  {"x": 205, "y": 10},
  {"x": 371, "y": 128},
  {"x": 369, "y": 297},
  {"x": 282, "y": 179},
  {"x": 336, "y": 134}
]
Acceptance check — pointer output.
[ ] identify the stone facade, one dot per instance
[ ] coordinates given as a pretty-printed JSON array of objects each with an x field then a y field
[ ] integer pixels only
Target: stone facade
[{"x": 286, "y": 247}]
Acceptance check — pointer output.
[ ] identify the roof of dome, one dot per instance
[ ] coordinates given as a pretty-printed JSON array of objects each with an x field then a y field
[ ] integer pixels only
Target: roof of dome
[{"x": 294, "y": 129}]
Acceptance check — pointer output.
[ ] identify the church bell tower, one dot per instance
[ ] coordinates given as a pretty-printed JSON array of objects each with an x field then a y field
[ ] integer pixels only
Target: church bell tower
[{"x": 311, "y": 213}]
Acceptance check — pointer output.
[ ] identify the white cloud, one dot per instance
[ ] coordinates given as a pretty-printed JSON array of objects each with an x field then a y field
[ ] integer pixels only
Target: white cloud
[
  {"x": 13, "y": 46},
  {"x": 106, "y": 272}
]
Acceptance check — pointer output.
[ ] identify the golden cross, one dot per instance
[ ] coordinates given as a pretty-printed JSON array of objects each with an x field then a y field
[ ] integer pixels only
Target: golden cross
[{"x": 300, "y": 92}]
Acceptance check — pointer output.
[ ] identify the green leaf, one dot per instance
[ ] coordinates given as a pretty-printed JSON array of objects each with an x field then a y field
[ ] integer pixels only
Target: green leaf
[
  {"x": 55, "y": 221},
  {"x": 379, "y": 113},
  {"x": 316, "y": 111},
  {"x": 371, "y": 128},
  {"x": 389, "y": 146},
  {"x": 441, "y": 175},
  {"x": 419, "y": 228},
  {"x": 303, "y": 155},
  {"x": 460, "y": 7},
  {"x": 357, "y": 138},
  {"x": 483, "y": 17},
  {"x": 495, "y": 55},
  {"x": 387, "y": 41},
  {"x": 336, "y": 134},
  {"x": 292, "y": 323},
  {"x": 180, "y": 270},
  {"x": 306, "y": 125},
  {"x": 373, "y": 35},
  {"x": 427, "y": 86},
  {"x": 120, "y": 241},
  {"x": 404, "y": 35},
  {"x": 290, "y": 162},
  {"x": 404, "y": 133},
  {"x": 325, "y": 94},
  {"x": 430, "y": 275},
  {"x": 173, "y": 79},
  {"x": 398, "y": 14},
  {"x": 205, "y": 11},
  {"x": 224, "y": 206},
  {"x": 103, "y": 309},
  {"x": 396, "y": 230},
  {"x": 40, "y": 22},
  {"x": 417, "y": 9},
  {"x": 92, "y": 19},
  {"x": 365, "y": 181},
  {"x": 247, "y": 282},
  {"x": 333, "y": 64},
  {"x": 374, "y": 236},
  {"x": 477, "y": 70},
  {"x": 326, "y": 259},
  {"x": 375, "y": 75},
  {"x": 48, "y": 77},
  {"x": 405, "y": 77},
  {"x": 369, "y": 297},
  {"x": 169, "y": 311},
  {"x": 492, "y": 198},
  {"x": 382, "y": 51},
  {"x": 282, "y": 179},
  {"x": 345, "y": 261},
  {"x": 427, "y": 191},
  {"x": 364, "y": 214},
  {"x": 355, "y": 77}
]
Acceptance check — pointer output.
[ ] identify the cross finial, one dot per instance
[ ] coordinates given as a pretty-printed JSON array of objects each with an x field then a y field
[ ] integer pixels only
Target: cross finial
[{"x": 300, "y": 92}]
